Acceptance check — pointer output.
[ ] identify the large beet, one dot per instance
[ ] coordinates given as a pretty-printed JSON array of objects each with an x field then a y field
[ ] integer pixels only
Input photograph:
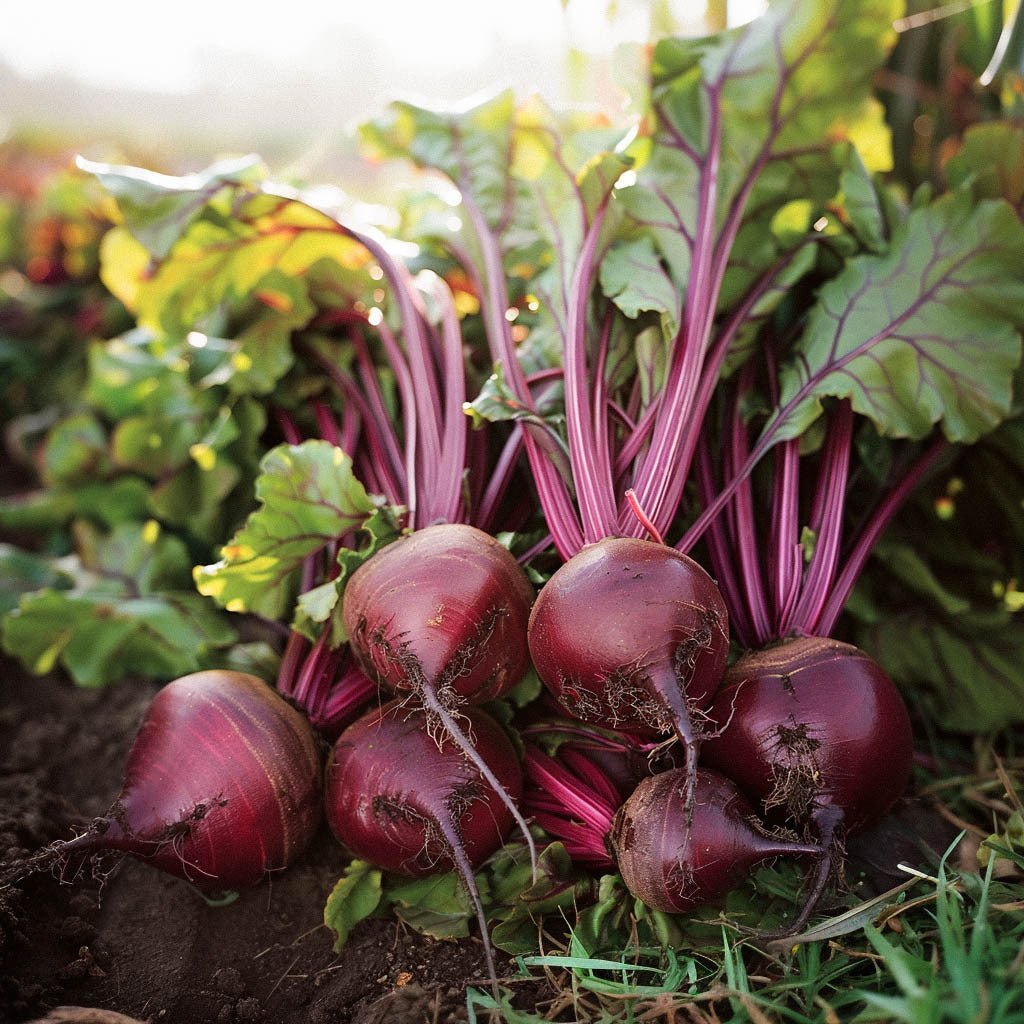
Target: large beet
[
  {"x": 441, "y": 611},
  {"x": 222, "y": 784}
]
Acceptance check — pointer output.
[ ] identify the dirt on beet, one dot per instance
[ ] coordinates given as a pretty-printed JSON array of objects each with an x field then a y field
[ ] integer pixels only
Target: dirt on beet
[{"x": 148, "y": 946}]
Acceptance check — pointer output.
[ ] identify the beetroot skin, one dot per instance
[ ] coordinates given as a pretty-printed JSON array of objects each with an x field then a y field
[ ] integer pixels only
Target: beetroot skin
[
  {"x": 628, "y": 633},
  {"x": 813, "y": 729},
  {"x": 444, "y": 609},
  {"x": 222, "y": 784},
  {"x": 673, "y": 861},
  {"x": 398, "y": 798}
]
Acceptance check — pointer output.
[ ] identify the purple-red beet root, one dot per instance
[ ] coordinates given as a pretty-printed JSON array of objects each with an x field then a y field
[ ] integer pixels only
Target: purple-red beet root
[
  {"x": 632, "y": 634},
  {"x": 407, "y": 803},
  {"x": 673, "y": 861},
  {"x": 442, "y": 613},
  {"x": 222, "y": 785},
  {"x": 816, "y": 733}
]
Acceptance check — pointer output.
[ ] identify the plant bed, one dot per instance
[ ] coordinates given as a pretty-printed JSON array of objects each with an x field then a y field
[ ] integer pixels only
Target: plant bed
[{"x": 150, "y": 946}]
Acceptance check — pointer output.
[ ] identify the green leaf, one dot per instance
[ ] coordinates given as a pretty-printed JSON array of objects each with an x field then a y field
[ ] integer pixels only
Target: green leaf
[
  {"x": 262, "y": 348},
  {"x": 320, "y": 604},
  {"x": 862, "y": 204},
  {"x": 470, "y": 146},
  {"x": 138, "y": 374},
  {"x": 437, "y": 905},
  {"x": 22, "y": 572},
  {"x": 744, "y": 123},
  {"x": 970, "y": 677},
  {"x": 75, "y": 450},
  {"x": 112, "y": 502},
  {"x": 157, "y": 208},
  {"x": 569, "y": 167},
  {"x": 910, "y": 567},
  {"x": 990, "y": 162},
  {"x": 127, "y": 611},
  {"x": 925, "y": 334},
  {"x": 154, "y": 445},
  {"x": 308, "y": 497},
  {"x": 355, "y": 896},
  {"x": 496, "y": 403},
  {"x": 633, "y": 276}
]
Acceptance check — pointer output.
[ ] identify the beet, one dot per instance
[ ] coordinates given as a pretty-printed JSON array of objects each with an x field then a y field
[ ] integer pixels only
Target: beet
[
  {"x": 673, "y": 861},
  {"x": 441, "y": 612},
  {"x": 811, "y": 728},
  {"x": 394, "y": 794},
  {"x": 816, "y": 733},
  {"x": 408, "y": 803},
  {"x": 222, "y": 785},
  {"x": 633, "y": 635}
]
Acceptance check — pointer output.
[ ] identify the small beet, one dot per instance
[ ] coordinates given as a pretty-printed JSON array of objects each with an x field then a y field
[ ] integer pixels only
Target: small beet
[
  {"x": 411, "y": 804},
  {"x": 674, "y": 861},
  {"x": 393, "y": 793},
  {"x": 816, "y": 733}
]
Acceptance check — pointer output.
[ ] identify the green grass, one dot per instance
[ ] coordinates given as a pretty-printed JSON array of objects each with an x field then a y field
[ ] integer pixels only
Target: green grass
[{"x": 945, "y": 948}]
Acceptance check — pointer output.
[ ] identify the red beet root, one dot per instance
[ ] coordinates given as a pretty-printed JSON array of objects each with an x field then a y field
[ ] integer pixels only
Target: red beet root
[
  {"x": 631, "y": 634},
  {"x": 443, "y": 613},
  {"x": 409, "y": 804},
  {"x": 815, "y": 732},
  {"x": 674, "y": 862},
  {"x": 394, "y": 794},
  {"x": 222, "y": 784},
  {"x": 813, "y": 726}
]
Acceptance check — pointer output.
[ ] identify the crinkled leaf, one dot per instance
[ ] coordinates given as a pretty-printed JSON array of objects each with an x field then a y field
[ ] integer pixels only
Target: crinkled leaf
[
  {"x": 75, "y": 450},
  {"x": 237, "y": 263},
  {"x": 317, "y": 606},
  {"x": 970, "y": 677},
  {"x": 925, "y": 334},
  {"x": 127, "y": 612},
  {"x": 108, "y": 502},
  {"x": 308, "y": 497},
  {"x": 157, "y": 208},
  {"x": 496, "y": 403},
  {"x": 743, "y": 122},
  {"x": 557, "y": 887},
  {"x": 471, "y": 146},
  {"x": 355, "y": 896},
  {"x": 437, "y": 905},
  {"x": 633, "y": 276}
]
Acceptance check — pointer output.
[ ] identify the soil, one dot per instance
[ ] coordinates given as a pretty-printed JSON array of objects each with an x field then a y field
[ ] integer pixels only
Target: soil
[{"x": 149, "y": 946}]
